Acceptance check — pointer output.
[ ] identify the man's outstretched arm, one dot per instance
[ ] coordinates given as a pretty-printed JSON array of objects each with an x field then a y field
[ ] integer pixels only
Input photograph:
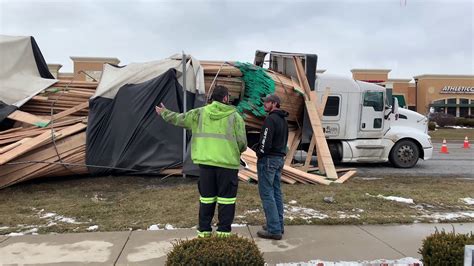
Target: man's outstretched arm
[{"x": 185, "y": 120}]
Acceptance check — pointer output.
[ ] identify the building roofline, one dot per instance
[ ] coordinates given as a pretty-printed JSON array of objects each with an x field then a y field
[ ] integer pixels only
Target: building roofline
[
  {"x": 95, "y": 59},
  {"x": 368, "y": 70},
  {"x": 443, "y": 76},
  {"x": 54, "y": 65},
  {"x": 399, "y": 80}
]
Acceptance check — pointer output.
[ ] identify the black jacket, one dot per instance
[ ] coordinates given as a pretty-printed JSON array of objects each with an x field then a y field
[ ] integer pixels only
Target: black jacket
[{"x": 274, "y": 135}]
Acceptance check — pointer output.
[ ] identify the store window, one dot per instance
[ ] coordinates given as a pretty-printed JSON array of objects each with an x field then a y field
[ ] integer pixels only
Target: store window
[
  {"x": 439, "y": 106},
  {"x": 463, "y": 107},
  {"x": 451, "y": 109},
  {"x": 472, "y": 108}
]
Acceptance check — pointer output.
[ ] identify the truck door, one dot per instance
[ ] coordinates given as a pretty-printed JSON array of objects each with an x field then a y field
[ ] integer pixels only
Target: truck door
[{"x": 372, "y": 114}]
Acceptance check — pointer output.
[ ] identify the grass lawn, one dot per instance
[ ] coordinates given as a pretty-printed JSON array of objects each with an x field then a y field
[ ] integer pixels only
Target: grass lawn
[
  {"x": 124, "y": 203},
  {"x": 452, "y": 134}
]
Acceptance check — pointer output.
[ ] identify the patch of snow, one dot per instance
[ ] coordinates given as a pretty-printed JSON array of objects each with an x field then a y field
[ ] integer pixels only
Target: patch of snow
[
  {"x": 31, "y": 231},
  {"x": 448, "y": 215},
  {"x": 51, "y": 224},
  {"x": 357, "y": 210},
  {"x": 169, "y": 227},
  {"x": 393, "y": 198},
  {"x": 303, "y": 213},
  {"x": 402, "y": 261},
  {"x": 92, "y": 228},
  {"x": 154, "y": 227},
  {"x": 466, "y": 178},
  {"x": 468, "y": 201},
  {"x": 56, "y": 218},
  {"x": 457, "y": 127},
  {"x": 238, "y": 225},
  {"x": 251, "y": 211},
  {"x": 371, "y": 178},
  {"x": 48, "y": 215},
  {"x": 15, "y": 234},
  {"x": 65, "y": 219},
  {"x": 292, "y": 202},
  {"x": 240, "y": 216},
  {"x": 343, "y": 215},
  {"x": 4, "y": 227}
]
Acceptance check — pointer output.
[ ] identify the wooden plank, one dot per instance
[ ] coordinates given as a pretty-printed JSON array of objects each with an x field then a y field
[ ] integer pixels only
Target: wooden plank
[
  {"x": 13, "y": 145},
  {"x": 346, "y": 176},
  {"x": 10, "y": 130},
  {"x": 311, "y": 177},
  {"x": 294, "y": 146},
  {"x": 243, "y": 177},
  {"x": 28, "y": 118},
  {"x": 249, "y": 174},
  {"x": 45, "y": 153},
  {"x": 307, "y": 162},
  {"x": 321, "y": 143},
  {"x": 29, "y": 171},
  {"x": 324, "y": 100},
  {"x": 313, "y": 139},
  {"x": 297, "y": 87},
  {"x": 303, "y": 81},
  {"x": 36, "y": 141},
  {"x": 322, "y": 148},
  {"x": 71, "y": 110}
]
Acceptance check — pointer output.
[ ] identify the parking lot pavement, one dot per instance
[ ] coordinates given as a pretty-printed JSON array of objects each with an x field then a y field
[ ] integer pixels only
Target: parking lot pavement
[{"x": 458, "y": 162}]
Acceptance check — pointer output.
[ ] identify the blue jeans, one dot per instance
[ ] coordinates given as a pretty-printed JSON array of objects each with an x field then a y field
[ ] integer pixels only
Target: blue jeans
[{"x": 269, "y": 175}]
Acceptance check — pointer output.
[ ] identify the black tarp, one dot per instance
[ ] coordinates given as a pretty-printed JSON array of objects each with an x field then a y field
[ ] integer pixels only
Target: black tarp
[
  {"x": 126, "y": 133},
  {"x": 40, "y": 62}
]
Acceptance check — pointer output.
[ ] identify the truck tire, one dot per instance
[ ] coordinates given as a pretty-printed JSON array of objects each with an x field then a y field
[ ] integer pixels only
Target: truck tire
[{"x": 404, "y": 154}]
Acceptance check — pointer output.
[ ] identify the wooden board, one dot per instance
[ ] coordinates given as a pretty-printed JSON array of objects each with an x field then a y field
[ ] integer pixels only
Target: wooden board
[
  {"x": 71, "y": 110},
  {"x": 37, "y": 141},
  {"x": 293, "y": 148},
  {"x": 346, "y": 176},
  {"x": 28, "y": 118}
]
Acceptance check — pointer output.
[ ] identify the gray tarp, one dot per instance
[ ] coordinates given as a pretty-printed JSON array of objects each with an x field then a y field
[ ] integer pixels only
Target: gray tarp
[
  {"x": 113, "y": 78},
  {"x": 20, "y": 77}
]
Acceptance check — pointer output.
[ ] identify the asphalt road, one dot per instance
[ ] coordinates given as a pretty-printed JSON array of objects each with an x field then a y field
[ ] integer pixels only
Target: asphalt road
[{"x": 458, "y": 162}]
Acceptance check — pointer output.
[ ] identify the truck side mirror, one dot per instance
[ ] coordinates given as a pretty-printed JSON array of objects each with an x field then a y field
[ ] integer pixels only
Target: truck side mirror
[{"x": 395, "y": 106}]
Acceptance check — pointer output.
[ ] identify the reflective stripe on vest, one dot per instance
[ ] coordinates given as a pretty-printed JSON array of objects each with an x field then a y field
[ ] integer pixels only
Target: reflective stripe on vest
[{"x": 229, "y": 133}]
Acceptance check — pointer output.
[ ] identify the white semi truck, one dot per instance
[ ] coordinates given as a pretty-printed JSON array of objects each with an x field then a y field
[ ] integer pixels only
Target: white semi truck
[{"x": 359, "y": 123}]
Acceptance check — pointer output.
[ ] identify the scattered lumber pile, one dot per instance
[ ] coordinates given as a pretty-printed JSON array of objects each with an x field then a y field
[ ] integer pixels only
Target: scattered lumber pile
[{"x": 48, "y": 138}]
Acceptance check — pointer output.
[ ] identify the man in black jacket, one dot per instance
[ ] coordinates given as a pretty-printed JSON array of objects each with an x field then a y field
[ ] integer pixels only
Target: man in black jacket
[{"x": 271, "y": 151}]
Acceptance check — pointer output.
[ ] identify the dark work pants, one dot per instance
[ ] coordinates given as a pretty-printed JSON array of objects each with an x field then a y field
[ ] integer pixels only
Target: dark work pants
[{"x": 221, "y": 185}]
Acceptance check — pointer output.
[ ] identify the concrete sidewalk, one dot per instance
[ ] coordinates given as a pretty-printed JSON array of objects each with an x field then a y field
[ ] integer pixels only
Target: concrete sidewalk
[{"x": 299, "y": 244}]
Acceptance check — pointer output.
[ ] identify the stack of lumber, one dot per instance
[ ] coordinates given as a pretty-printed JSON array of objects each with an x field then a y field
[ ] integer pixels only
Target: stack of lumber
[
  {"x": 224, "y": 73},
  {"x": 60, "y": 97},
  {"x": 48, "y": 137},
  {"x": 289, "y": 175}
]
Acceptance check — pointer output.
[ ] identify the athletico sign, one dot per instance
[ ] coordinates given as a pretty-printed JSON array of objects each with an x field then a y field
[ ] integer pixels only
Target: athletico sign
[{"x": 457, "y": 90}]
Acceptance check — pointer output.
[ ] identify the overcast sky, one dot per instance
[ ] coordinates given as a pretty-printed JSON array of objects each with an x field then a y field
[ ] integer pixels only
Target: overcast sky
[{"x": 410, "y": 37}]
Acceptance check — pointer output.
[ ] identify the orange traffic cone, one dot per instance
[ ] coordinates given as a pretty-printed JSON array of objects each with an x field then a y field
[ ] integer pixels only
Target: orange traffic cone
[
  {"x": 466, "y": 143},
  {"x": 444, "y": 147}
]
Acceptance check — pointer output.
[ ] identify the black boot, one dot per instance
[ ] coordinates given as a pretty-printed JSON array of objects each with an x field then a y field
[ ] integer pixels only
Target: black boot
[
  {"x": 267, "y": 235},
  {"x": 264, "y": 227}
]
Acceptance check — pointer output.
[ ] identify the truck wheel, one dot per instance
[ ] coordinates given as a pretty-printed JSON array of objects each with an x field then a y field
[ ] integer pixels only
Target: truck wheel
[{"x": 404, "y": 154}]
